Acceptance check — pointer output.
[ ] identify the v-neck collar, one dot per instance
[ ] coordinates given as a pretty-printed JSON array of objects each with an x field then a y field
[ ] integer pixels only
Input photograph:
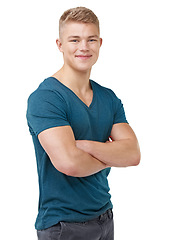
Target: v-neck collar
[{"x": 92, "y": 86}]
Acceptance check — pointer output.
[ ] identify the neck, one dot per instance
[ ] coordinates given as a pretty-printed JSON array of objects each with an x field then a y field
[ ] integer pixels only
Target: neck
[{"x": 75, "y": 80}]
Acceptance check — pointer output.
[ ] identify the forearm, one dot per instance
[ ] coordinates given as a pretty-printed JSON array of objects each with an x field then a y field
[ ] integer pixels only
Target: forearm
[
  {"x": 59, "y": 144},
  {"x": 121, "y": 153},
  {"x": 83, "y": 164}
]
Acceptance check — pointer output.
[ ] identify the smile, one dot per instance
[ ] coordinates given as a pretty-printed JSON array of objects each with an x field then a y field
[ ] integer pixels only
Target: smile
[{"x": 83, "y": 57}]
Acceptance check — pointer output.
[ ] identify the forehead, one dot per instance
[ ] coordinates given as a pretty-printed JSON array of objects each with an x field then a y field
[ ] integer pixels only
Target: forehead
[{"x": 79, "y": 29}]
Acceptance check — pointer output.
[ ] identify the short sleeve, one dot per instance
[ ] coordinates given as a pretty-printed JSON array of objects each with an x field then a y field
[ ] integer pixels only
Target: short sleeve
[
  {"x": 119, "y": 116},
  {"x": 46, "y": 109}
]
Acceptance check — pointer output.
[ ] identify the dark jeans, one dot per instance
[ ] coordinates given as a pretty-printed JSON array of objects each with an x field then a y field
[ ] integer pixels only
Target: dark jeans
[{"x": 100, "y": 228}]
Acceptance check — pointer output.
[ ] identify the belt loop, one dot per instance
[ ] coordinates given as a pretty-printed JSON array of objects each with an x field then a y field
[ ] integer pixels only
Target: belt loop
[
  {"x": 101, "y": 217},
  {"x": 110, "y": 213},
  {"x": 107, "y": 214}
]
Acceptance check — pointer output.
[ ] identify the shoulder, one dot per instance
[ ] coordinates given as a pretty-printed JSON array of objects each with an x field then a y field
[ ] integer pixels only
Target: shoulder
[
  {"x": 47, "y": 94},
  {"x": 48, "y": 89}
]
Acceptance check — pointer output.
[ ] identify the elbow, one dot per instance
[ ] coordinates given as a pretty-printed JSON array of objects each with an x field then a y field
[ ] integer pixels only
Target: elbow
[
  {"x": 136, "y": 159},
  {"x": 68, "y": 169},
  {"x": 69, "y": 166},
  {"x": 136, "y": 155},
  {"x": 72, "y": 171},
  {"x": 132, "y": 160}
]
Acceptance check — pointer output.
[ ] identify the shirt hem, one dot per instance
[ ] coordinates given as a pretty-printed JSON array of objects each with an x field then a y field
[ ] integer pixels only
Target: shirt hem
[{"x": 84, "y": 219}]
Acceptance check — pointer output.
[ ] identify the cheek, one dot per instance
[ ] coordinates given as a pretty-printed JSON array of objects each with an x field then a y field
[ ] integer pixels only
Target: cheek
[
  {"x": 96, "y": 52},
  {"x": 95, "y": 49},
  {"x": 69, "y": 49}
]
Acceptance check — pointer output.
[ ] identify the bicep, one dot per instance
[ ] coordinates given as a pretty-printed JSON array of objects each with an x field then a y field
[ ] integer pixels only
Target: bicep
[
  {"x": 122, "y": 131},
  {"x": 59, "y": 143}
]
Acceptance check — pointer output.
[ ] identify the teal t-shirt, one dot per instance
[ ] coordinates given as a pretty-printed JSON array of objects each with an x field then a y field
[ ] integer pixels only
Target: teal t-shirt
[{"x": 62, "y": 197}]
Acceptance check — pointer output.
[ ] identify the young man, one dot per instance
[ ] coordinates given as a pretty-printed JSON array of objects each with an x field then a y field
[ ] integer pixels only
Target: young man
[{"x": 70, "y": 118}]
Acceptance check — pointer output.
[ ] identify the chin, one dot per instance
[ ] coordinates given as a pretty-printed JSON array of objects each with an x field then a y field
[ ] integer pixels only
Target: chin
[{"x": 83, "y": 68}]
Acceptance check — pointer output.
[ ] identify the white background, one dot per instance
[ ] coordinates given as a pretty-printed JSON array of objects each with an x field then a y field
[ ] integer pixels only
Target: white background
[{"x": 144, "y": 59}]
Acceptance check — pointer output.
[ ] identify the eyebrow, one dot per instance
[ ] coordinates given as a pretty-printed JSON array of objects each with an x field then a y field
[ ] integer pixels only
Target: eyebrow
[
  {"x": 93, "y": 36},
  {"x": 73, "y": 37}
]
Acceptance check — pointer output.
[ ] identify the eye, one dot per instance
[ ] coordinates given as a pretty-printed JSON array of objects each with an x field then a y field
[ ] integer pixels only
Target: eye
[
  {"x": 74, "y": 40},
  {"x": 92, "y": 40}
]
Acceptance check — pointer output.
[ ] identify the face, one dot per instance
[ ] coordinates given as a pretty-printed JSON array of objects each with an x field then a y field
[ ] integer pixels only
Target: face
[{"x": 80, "y": 44}]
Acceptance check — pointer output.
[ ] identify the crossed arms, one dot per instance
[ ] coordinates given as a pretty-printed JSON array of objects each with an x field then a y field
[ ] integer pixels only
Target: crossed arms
[{"x": 82, "y": 158}]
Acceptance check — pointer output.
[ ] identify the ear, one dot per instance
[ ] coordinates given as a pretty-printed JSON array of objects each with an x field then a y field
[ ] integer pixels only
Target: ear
[
  {"x": 59, "y": 45},
  {"x": 101, "y": 42}
]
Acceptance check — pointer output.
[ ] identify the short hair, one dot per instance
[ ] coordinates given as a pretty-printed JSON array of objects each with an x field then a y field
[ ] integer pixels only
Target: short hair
[{"x": 78, "y": 14}]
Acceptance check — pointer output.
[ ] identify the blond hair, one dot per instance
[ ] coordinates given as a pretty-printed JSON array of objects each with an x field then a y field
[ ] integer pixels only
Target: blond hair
[{"x": 78, "y": 14}]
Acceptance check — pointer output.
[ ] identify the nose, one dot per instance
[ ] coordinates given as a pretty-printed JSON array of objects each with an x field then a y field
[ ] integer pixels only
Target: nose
[{"x": 84, "y": 45}]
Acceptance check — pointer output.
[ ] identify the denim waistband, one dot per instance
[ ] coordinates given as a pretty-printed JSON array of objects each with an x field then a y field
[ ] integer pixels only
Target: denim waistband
[{"x": 108, "y": 214}]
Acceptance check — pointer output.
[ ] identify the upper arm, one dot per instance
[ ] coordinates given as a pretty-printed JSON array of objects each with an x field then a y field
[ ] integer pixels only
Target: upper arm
[
  {"x": 46, "y": 110},
  {"x": 59, "y": 143},
  {"x": 47, "y": 119},
  {"x": 122, "y": 131}
]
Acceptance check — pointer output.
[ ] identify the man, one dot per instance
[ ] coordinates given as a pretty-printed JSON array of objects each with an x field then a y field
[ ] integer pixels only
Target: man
[{"x": 70, "y": 118}]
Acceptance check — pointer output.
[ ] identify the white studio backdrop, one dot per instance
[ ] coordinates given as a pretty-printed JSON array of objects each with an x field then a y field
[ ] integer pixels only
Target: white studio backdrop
[{"x": 144, "y": 59}]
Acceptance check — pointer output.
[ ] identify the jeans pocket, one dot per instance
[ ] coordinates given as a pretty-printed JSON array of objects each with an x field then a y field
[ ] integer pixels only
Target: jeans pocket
[
  {"x": 55, "y": 232},
  {"x": 51, "y": 233}
]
